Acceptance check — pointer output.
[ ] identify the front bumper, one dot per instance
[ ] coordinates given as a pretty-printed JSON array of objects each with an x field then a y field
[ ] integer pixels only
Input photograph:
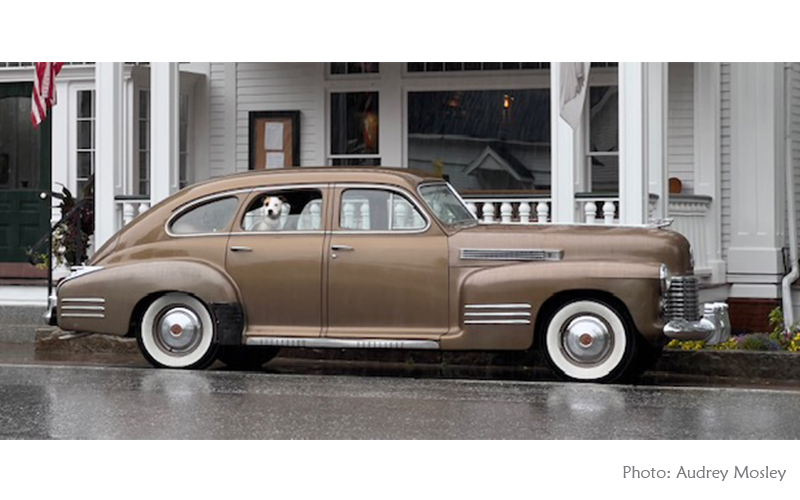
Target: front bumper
[
  {"x": 714, "y": 327},
  {"x": 50, "y": 316}
]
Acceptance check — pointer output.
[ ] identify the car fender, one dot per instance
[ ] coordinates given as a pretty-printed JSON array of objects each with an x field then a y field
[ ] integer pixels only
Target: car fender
[
  {"x": 115, "y": 291},
  {"x": 634, "y": 284}
]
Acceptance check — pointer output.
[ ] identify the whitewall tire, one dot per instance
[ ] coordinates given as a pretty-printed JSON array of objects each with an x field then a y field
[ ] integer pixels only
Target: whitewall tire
[
  {"x": 588, "y": 340},
  {"x": 177, "y": 331}
]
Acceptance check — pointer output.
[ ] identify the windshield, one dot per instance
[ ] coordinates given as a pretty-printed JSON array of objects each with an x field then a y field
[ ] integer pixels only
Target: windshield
[{"x": 445, "y": 204}]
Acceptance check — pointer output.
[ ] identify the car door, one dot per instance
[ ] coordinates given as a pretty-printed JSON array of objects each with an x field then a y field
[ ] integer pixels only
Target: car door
[
  {"x": 277, "y": 262},
  {"x": 387, "y": 266}
]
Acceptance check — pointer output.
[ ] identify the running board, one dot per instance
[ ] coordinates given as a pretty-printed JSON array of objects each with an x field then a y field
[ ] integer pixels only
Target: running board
[{"x": 327, "y": 343}]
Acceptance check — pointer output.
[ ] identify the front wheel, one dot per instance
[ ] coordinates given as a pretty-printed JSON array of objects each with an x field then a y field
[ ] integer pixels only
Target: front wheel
[
  {"x": 589, "y": 340},
  {"x": 176, "y": 331}
]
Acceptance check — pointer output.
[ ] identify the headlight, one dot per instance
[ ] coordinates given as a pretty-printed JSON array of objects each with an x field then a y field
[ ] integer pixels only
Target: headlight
[{"x": 664, "y": 277}]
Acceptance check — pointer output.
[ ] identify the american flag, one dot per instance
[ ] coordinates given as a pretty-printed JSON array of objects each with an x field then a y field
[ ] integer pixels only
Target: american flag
[{"x": 44, "y": 90}]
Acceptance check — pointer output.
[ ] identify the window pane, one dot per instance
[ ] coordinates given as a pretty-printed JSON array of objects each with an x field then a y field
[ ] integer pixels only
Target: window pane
[
  {"x": 491, "y": 66},
  {"x": 415, "y": 67},
  {"x": 144, "y": 134},
  {"x": 85, "y": 164},
  {"x": 144, "y": 103},
  {"x": 453, "y": 66},
  {"x": 182, "y": 177},
  {"x": 339, "y": 68},
  {"x": 604, "y": 116},
  {"x": 184, "y": 108},
  {"x": 356, "y": 162},
  {"x": 84, "y": 135},
  {"x": 605, "y": 174},
  {"x": 212, "y": 217},
  {"x": 85, "y": 104},
  {"x": 354, "y": 123},
  {"x": 378, "y": 210},
  {"x": 299, "y": 210},
  {"x": 434, "y": 66},
  {"x": 478, "y": 142},
  {"x": 472, "y": 66}
]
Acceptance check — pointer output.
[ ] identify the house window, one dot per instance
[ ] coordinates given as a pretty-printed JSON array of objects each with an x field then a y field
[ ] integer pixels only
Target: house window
[
  {"x": 342, "y": 68},
  {"x": 85, "y": 146},
  {"x": 438, "y": 67},
  {"x": 144, "y": 143},
  {"x": 354, "y": 129},
  {"x": 603, "y": 139},
  {"x": 482, "y": 140}
]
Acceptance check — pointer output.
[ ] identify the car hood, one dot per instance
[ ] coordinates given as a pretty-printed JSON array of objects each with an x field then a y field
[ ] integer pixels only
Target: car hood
[{"x": 577, "y": 242}]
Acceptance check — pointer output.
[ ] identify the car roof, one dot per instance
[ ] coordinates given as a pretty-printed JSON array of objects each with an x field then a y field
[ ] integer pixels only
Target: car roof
[{"x": 310, "y": 175}]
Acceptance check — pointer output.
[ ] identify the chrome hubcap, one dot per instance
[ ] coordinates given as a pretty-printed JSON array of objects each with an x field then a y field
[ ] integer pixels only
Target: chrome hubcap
[
  {"x": 178, "y": 330},
  {"x": 586, "y": 339}
]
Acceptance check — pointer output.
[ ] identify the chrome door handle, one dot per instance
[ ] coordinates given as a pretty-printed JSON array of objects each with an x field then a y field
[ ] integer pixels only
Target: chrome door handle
[
  {"x": 241, "y": 249},
  {"x": 342, "y": 248}
]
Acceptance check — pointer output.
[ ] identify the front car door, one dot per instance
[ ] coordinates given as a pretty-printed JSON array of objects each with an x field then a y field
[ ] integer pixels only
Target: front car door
[
  {"x": 387, "y": 266},
  {"x": 277, "y": 262}
]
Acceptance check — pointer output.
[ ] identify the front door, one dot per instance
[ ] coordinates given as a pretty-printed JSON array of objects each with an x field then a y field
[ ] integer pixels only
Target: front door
[
  {"x": 24, "y": 175},
  {"x": 276, "y": 260},
  {"x": 387, "y": 267}
]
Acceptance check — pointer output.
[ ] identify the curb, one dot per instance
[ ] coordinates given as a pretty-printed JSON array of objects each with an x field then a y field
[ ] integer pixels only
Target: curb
[{"x": 751, "y": 365}]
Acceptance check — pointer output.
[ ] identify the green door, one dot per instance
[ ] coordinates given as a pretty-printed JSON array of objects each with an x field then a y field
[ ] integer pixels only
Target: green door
[{"x": 24, "y": 174}]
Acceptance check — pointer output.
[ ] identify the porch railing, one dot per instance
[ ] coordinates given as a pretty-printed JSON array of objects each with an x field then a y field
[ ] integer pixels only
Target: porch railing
[
  {"x": 690, "y": 214},
  {"x": 130, "y": 207}
]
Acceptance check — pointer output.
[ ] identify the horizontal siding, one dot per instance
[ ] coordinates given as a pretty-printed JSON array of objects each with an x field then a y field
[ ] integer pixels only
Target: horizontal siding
[
  {"x": 216, "y": 125},
  {"x": 725, "y": 154},
  {"x": 680, "y": 141},
  {"x": 280, "y": 87}
]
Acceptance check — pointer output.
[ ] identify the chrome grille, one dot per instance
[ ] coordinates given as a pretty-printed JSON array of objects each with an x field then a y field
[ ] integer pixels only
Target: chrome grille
[{"x": 683, "y": 299}]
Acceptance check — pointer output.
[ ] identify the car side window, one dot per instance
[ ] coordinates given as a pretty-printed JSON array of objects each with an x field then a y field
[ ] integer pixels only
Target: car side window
[
  {"x": 284, "y": 211},
  {"x": 378, "y": 210},
  {"x": 211, "y": 217}
]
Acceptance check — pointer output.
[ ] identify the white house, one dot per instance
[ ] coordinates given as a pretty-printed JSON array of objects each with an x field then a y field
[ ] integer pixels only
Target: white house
[{"x": 723, "y": 135}]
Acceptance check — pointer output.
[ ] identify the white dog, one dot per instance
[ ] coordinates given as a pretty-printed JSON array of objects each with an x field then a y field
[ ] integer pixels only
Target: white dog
[{"x": 270, "y": 214}]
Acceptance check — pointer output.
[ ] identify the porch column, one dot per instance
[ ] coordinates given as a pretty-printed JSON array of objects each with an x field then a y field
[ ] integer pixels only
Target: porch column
[
  {"x": 633, "y": 153},
  {"x": 755, "y": 255},
  {"x": 164, "y": 101},
  {"x": 707, "y": 165},
  {"x": 566, "y": 154},
  {"x": 657, "y": 126},
  {"x": 109, "y": 121}
]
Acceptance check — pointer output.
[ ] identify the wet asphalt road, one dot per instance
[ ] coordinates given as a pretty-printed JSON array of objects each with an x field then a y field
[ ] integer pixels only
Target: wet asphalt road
[{"x": 131, "y": 402}]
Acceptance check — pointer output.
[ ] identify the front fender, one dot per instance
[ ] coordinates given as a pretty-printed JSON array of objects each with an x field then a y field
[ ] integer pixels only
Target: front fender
[
  {"x": 112, "y": 293},
  {"x": 635, "y": 284}
]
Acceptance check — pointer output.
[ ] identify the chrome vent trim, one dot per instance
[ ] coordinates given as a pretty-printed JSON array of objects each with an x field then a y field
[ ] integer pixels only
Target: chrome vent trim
[
  {"x": 682, "y": 299},
  {"x": 532, "y": 255},
  {"x": 497, "y": 314},
  {"x": 497, "y": 322},
  {"x": 498, "y": 306},
  {"x": 327, "y": 343},
  {"x": 83, "y": 307}
]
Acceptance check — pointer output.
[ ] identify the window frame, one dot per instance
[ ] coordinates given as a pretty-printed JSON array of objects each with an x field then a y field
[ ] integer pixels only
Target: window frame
[
  {"x": 360, "y": 87},
  {"x": 238, "y": 228},
  {"x": 340, "y": 189},
  {"x": 180, "y": 211}
]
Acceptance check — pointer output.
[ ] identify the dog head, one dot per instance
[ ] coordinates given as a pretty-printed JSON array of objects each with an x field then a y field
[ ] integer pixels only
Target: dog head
[{"x": 272, "y": 207}]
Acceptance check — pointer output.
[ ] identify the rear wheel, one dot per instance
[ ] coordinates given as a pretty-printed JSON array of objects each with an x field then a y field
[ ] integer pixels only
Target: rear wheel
[
  {"x": 176, "y": 331},
  {"x": 246, "y": 358},
  {"x": 589, "y": 340}
]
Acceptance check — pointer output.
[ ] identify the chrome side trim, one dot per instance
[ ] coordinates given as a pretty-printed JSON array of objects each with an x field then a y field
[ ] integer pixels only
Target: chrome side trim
[
  {"x": 83, "y": 315},
  {"x": 497, "y": 322},
  {"x": 325, "y": 343},
  {"x": 527, "y": 254},
  {"x": 498, "y": 314},
  {"x": 498, "y": 306},
  {"x": 82, "y": 308},
  {"x": 99, "y": 301}
]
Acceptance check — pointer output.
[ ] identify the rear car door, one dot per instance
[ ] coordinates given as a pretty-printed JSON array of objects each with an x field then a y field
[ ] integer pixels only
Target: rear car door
[{"x": 277, "y": 264}]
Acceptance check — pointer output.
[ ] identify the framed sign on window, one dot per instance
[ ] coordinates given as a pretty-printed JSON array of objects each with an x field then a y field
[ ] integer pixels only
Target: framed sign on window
[{"x": 274, "y": 139}]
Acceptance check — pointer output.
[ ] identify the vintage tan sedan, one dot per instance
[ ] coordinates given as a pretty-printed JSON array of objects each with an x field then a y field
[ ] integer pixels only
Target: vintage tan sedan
[{"x": 238, "y": 267}]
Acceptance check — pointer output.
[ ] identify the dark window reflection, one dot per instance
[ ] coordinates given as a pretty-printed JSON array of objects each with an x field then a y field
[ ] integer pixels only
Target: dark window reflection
[
  {"x": 604, "y": 138},
  {"x": 482, "y": 140},
  {"x": 354, "y": 123},
  {"x": 19, "y": 145}
]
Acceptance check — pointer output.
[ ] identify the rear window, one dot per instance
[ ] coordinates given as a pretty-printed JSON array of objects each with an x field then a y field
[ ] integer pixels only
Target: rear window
[{"x": 212, "y": 217}]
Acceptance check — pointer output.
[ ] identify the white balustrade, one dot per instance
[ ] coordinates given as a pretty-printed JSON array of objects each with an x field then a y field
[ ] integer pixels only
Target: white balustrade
[
  {"x": 129, "y": 208},
  {"x": 691, "y": 218},
  {"x": 512, "y": 210},
  {"x": 589, "y": 210}
]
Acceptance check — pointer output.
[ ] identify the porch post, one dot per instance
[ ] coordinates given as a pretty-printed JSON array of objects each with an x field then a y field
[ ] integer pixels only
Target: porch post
[
  {"x": 755, "y": 255},
  {"x": 657, "y": 126},
  {"x": 164, "y": 101},
  {"x": 633, "y": 153},
  {"x": 565, "y": 155},
  {"x": 108, "y": 85}
]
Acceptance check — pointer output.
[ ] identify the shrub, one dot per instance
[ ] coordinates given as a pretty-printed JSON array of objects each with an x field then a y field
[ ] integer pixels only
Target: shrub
[{"x": 759, "y": 342}]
